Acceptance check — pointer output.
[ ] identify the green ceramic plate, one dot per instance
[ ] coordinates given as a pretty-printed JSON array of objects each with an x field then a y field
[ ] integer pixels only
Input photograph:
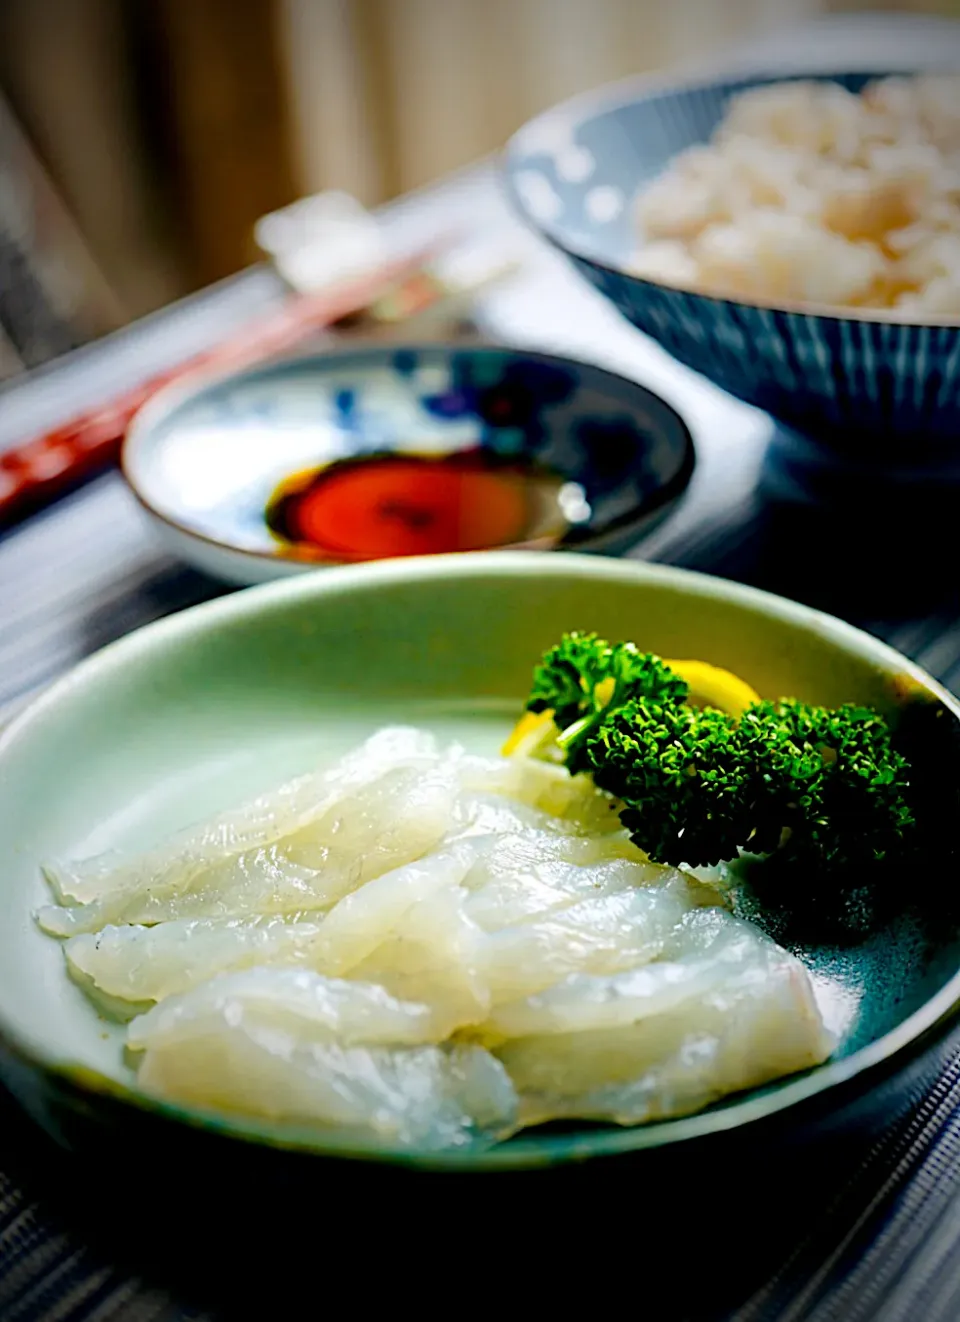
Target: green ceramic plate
[{"x": 191, "y": 714}]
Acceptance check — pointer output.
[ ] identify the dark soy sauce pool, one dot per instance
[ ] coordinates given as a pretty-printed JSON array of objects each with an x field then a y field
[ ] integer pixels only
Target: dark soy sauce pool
[{"x": 381, "y": 506}]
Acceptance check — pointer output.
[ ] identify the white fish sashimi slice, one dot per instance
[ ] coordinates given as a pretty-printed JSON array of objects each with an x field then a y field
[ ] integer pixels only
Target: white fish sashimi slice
[
  {"x": 365, "y": 832},
  {"x": 296, "y": 863},
  {"x": 544, "y": 787},
  {"x": 516, "y": 879},
  {"x": 392, "y": 745},
  {"x": 507, "y": 901},
  {"x": 606, "y": 934},
  {"x": 496, "y": 814},
  {"x": 312, "y": 955},
  {"x": 136, "y": 963},
  {"x": 360, "y": 923},
  {"x": 708, "y": 931},
  {"x": 289, "y": 1000},
  {"x": 758, "y": 1024},
  {"x": 422, "y": 1097},
  {"x": 431, "y": 956},
  {"x": 149, "y": 963},
  {"x": 491, "y": 814},
  {"x": 257, "y": 824},
  {"x": 718, "y": 946},
  {"x": 530, "y": 851},
  {"x": 415, "y": 1097},
  {"x": 513, "y": 900}
]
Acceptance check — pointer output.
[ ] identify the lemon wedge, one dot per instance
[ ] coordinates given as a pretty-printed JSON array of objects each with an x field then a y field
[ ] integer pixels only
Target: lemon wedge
[
  {"x": 531, "y": 735},
  {"x": 710, "y": 686}
]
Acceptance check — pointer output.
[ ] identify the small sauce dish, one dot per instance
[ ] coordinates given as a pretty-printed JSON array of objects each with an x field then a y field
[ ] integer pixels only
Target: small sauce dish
[{"x": 395, "y": 451}]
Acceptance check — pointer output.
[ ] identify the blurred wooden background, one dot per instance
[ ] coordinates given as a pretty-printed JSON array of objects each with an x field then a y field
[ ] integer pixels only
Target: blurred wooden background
[{"x": 168, "y": 126}]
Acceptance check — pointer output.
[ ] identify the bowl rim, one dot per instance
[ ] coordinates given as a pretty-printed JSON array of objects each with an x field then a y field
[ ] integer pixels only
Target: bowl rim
[
  {"x": 871, "y": 1062},
  {"x": 168, "y": 399},
  {"x": 647, "y": 87}
]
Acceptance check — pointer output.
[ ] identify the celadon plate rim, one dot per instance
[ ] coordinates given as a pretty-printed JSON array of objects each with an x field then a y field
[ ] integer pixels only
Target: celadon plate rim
[{"x": 528, "y": 1149}]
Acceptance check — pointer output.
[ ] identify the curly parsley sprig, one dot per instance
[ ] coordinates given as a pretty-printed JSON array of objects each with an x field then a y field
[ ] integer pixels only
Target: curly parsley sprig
[
  {"x": 824, "y": 787},
  {"x": 584, "y": 679}
]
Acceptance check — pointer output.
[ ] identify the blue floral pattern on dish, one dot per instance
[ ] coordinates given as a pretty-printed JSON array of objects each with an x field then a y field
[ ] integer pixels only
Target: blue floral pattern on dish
[
  {"x": 626, "y": 451},
  {"x": 405, "y": 361}
]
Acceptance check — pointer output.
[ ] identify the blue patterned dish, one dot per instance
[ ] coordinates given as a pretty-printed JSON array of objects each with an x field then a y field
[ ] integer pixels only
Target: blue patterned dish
[
  {"x": 205, "y": 461},
  {"x": 858, "y": 382}
]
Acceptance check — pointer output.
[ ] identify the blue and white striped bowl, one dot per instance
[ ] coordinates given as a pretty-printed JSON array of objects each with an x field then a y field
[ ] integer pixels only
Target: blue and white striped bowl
[{"x": 862, "y": 383}]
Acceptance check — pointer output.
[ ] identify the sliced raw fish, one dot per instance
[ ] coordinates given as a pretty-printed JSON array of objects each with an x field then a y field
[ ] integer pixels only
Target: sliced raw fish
[
  {"x": 571, "y": 802},
  {"x": 757, "y": 1021},
  {"x": 432, "y": 957},
  {"x": 293, "y": 1055},
  {"x": 428, "y": 949},
  {"x": 291, "y": 1000},
  {"x": 519, "y": 876},
  {"x": 254, "y": 825},
  {"x": 602, "y": 934},
  {"x": 364, "y": 831},
  {"x": 702, "y": 950},
  {"x": 149, "y": 963}
]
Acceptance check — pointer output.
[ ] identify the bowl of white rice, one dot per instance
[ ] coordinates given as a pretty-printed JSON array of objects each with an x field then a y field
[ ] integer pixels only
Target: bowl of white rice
[{"x": 796, "y": 240}]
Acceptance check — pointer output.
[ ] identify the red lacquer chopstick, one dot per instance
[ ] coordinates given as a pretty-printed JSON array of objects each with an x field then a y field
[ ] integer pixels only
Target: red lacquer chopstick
[{"x": 43, "y": 467}]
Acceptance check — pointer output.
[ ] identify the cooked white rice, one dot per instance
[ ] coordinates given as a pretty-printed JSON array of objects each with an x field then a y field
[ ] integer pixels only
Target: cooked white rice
[{"x": 808, "y": 193}]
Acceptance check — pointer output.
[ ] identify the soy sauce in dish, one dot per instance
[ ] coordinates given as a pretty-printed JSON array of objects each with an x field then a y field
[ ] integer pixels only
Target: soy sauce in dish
[{"x": 381, "y": 506}]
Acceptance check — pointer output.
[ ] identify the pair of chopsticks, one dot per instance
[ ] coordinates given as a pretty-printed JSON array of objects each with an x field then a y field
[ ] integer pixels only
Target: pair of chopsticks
[{"x": 34, "y": 473}]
